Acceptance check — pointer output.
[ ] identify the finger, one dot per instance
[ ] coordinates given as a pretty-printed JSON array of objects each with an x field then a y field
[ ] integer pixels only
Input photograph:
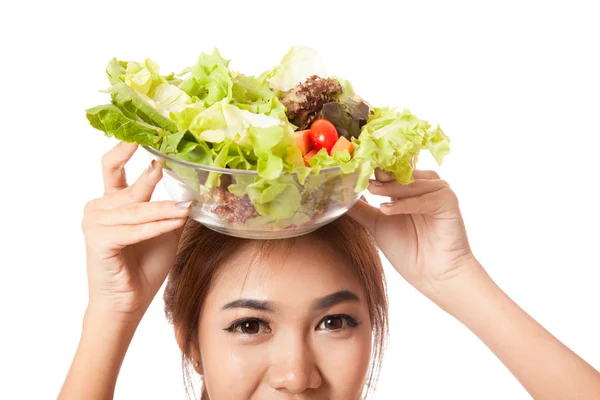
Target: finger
[
  {"x": 125, "y": 235},
  {"x": 425, "y": 174},
  {"x": 107, "y": 202},
  {"x": 383, "y": 176},
  {"x": 140, "y": 191},
  {"x": 430, "y": 203},
  {"x": 144, "y": 186},
  {"x": 141, "y": 213},
  {"x": 397, "y": 190},
  {"x": 113, "y": 166},
  {"x": 365, "y": 214}
]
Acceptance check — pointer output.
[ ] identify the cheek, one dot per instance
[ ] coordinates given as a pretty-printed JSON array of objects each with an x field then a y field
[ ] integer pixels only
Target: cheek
[
  {"x": 225, "y": 362},
  {"x": 344, "y": 363}
]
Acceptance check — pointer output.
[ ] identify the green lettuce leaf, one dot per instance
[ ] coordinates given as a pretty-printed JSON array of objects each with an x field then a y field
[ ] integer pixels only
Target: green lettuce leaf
[
  {"x": 143, "y": 77},
  {"x": 116, "y": 71},
  {"x": 437, "y": 143},
  {"x": 209, "y": 79},
  {"x": 391, "y": 141},
  {"x": 223, "y": 120},
  {"x": 183, "y": 116},
  {"x": 253, "y": 94},
  {"x": 139, "y": 89},
  {"x": 209, "y": 115},
  {"x": 279, "y": 199},
  {"x": 184, "y": 146},
  {"x": 140, "y": 106},
  {"x": 170, "y": 98},
  {"x": 296, "y": 66},
  {"x": 111, "y": 120},
  {"x": 348, "y": 90},
  {"x": 249, "y": 89}
]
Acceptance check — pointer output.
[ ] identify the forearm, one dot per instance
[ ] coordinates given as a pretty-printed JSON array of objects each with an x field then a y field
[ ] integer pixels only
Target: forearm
[
  {"x": 95, "y": 367},
  {"x": 542, "y": 364}
]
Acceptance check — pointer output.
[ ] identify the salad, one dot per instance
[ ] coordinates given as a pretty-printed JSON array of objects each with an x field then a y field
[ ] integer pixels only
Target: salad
[{"x": 286, "y": 124}]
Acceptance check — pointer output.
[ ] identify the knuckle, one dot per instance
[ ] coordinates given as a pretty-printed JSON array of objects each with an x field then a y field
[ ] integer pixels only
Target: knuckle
[
  {"x": 450, "y": 197},
  {"x": 136, "y": 210},
  {"x": 453, "y": 197},
  {"x": 89, "y": 206},
  {"x": 433, "y": 206},
  {"x": 106, "y": 160},
  {"x": 434, "y": 174},
  {"x": 131, "y": 194},
  {"x": 86, "y": 225}
]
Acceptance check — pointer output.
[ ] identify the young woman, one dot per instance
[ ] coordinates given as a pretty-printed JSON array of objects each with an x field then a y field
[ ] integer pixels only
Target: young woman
[{"x": 300, "y": 318}]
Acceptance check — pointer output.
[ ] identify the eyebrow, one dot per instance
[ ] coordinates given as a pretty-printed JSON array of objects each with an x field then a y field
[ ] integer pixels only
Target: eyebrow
[
  {"x": 320, "y": 304},
  {"x": 335, "y": 298},
  {"x": 250, "y": 304}
]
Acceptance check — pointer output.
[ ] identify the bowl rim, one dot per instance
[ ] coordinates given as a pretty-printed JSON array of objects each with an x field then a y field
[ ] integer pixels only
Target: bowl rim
[{"x": 229, "y": 171}]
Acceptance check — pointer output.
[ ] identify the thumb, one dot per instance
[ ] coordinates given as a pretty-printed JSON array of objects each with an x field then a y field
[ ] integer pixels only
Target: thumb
[
  {"x": 365, "y": 214},
  {"x": 383, "y": 176}
]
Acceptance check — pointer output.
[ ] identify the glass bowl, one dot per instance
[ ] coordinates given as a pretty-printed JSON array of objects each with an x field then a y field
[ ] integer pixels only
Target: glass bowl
[{"x": 289, "y": 208}]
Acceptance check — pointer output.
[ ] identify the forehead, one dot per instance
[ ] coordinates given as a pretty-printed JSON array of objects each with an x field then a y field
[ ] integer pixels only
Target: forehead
[{"x": 288, "y": 273}]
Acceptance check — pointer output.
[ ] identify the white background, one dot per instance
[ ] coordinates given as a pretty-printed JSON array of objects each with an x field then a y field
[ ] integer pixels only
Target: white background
[{"x": 515, "y": 84}]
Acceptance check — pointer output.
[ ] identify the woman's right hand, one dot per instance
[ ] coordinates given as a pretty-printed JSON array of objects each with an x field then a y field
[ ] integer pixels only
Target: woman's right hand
[{"x": 130, "y": 241}]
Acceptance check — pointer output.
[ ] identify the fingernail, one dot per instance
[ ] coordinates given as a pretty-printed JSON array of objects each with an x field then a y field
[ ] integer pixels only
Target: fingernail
[
  {"x": 387, "y": 204},
  {"x": 183, "y": 205},
  {"x": 375, "y": 182},
  {"x": 151, "y": 166}
]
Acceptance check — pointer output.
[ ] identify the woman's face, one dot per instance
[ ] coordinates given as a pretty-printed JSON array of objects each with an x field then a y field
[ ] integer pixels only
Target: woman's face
[{"x": 294, "y": 324}]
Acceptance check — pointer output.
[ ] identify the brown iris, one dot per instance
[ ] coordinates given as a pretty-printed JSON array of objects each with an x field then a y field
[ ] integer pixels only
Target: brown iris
[
  {"x": 333, "y": 323},
  {"x": 250, "y": 327}
]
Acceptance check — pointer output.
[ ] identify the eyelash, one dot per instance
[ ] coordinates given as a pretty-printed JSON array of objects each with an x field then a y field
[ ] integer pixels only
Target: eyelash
[
  {"x": 240, "y": 322},
  {"x": 233, "y": 328},
  {"x": 350, "y": 321}
]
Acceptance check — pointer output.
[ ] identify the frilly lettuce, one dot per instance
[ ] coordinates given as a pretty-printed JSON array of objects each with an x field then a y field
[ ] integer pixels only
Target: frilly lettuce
[
  {"x": 211, "y": 115},
  {"x": 114, "y": 122},
  {"x": 296, "y": 66},
  {"x": 209, "y": 79},
  {"x": 253, "y": 94},
  {"x": 392, "y": 140}
]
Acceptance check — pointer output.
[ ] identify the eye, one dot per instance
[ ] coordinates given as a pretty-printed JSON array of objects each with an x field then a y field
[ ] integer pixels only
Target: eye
[
  {"x": 249, "y": 326},
  {"x": 336, "y": 322}
]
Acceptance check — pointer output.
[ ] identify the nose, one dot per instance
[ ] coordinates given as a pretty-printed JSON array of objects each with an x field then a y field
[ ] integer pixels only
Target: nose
[{"x": 294, "y": 368}]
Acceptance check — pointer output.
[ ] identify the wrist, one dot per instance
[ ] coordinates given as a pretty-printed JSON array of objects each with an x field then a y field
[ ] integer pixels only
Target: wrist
[
  {"x": 468, "y": 285},
  {"x": 105, "y": 338},
  {"x": 109, "y": 331},
  {"x": 105, "y": 318}
]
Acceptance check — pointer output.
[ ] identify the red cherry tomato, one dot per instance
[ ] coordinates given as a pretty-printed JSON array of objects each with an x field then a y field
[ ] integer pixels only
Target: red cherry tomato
[{"x": 323, "y": 134}]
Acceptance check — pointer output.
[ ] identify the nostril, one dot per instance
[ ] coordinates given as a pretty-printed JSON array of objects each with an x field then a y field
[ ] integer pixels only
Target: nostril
[{"x": 296, "y": 380}]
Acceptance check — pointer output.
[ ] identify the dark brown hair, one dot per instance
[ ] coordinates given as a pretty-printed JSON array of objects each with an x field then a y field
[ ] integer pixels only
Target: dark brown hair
[{"x": 201, "y": 252}]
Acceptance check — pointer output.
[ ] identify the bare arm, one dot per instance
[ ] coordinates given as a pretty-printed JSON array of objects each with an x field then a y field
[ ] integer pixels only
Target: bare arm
[
  {"x": 421, "y": 231},
  {"x": 130, "y": 246},
  {"x": 97, "y": 362},
  {"x": 545, "y": 367}
]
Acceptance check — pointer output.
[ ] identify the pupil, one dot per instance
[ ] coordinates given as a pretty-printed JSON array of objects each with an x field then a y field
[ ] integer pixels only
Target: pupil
[
  {"x": 250, "y": 327},
  {"x": 334, "y": 323}
]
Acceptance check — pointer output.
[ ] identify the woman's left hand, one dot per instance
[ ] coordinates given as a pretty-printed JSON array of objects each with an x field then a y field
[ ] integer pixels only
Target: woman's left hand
[{"x": 420, "y": 231}]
